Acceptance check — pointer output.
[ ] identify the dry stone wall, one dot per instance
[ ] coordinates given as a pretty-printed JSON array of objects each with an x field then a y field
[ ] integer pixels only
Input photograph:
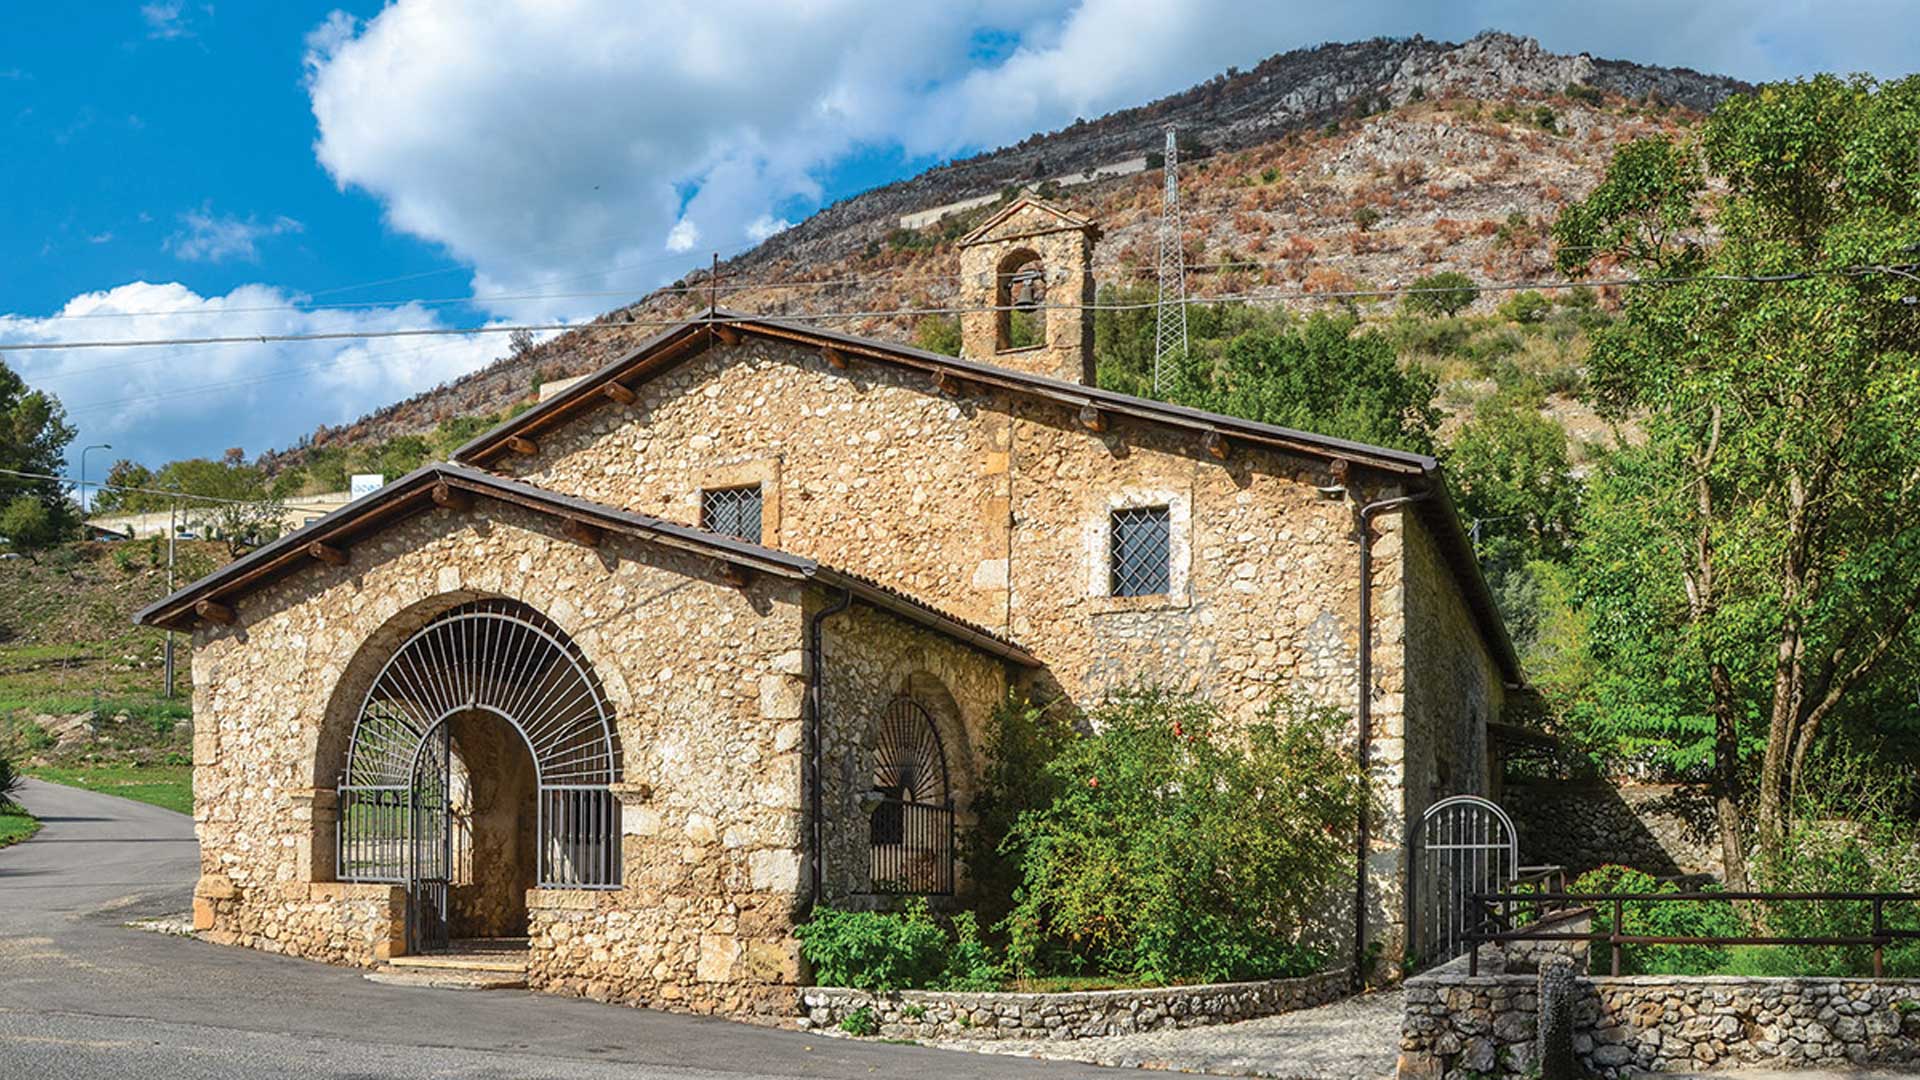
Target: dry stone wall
[
  {"x": 929, "y": 1014},
  {"x": 1666, "y": 830},
  {"x": 1459, "y": 1026}
]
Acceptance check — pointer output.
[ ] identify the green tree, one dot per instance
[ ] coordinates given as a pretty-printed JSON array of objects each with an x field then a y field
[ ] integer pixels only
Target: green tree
[
  {"x": 34, "y": 435},
  {"x": 27, "y": 525},
  {"x": 938, "y": 333},
  {"x": 1510, "y": 469},
  {"x": 1757, "y": 563},
  {"x": 1325, "y": 375},
  {"x": 1448, "y": 293},
  {"x": 125, "y": 473}
]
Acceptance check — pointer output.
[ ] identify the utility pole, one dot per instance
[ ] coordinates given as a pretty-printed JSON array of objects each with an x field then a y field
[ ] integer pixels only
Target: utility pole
[
  {"x": 173, "y": 513},
  {"x": 1170, "y": 313}
]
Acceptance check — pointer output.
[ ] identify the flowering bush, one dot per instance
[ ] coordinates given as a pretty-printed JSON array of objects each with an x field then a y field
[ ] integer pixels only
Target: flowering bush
[{"x": 1172, "y": 850}]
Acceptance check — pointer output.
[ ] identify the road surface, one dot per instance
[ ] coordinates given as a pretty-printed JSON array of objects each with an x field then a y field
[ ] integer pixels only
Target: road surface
[{"x": 83, "y": 997}]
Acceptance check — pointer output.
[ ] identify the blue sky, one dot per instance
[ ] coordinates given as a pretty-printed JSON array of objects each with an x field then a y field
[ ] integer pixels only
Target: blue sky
[{"x": 223, "y": 168}]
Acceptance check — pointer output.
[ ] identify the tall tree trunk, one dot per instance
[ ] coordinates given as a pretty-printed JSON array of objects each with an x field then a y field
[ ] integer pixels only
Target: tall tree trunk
[{"x": 1726, "y": 729}]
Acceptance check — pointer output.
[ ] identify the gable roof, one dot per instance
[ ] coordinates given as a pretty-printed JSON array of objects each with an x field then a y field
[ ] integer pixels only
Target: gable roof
[
  {"x": 677, "y": 344},
  {"x": 416, "y": 492},
  {"x": 1064, "y": 219}
]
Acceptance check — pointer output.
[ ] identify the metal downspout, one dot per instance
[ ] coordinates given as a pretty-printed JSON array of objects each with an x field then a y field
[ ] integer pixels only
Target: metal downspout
[
  {"x": 1363, "y": 836},
  {"x": 816, "y": 710}
]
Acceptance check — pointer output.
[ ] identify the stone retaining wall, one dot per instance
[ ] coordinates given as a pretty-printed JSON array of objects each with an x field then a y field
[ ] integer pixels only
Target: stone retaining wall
[
  {"x": 1666, "y": 830},
  {"x": 1486, "y": 1026},
  {"x": 926, "y": 1014}
]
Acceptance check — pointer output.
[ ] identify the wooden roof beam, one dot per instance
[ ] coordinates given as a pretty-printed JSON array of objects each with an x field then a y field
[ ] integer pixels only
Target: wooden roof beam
[
  {"x": 214, "y": 611},
  {"x": 1093, "y": 419},
  {"x": 733, "y": 573},
  {"x": 726, "y": 334},
  {"x": 448, "y": 497},
  {"x": 1217, "y": 445},
  {"x": 618, "y": 393},
  {"x": 584, "y": 533},
  {"x": 327, "y": 553},
  {"x": 836, "y": 359}
]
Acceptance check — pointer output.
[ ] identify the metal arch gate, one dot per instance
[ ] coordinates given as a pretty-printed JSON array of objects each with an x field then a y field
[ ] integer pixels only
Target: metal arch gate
[
  {"x": 1464, "y": 845},
  {"x": 395, "y": 797}
]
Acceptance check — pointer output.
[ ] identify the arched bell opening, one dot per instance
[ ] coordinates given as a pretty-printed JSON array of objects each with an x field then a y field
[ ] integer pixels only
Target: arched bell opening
[
  {"x": 481, "y": 765},
  {"x": 1020, "y": 302}
]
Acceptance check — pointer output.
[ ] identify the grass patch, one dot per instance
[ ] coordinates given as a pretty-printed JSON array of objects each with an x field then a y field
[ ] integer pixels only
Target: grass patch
[
  {"x": 16, "y": 827},
  {"x": 169, "y": 786}
]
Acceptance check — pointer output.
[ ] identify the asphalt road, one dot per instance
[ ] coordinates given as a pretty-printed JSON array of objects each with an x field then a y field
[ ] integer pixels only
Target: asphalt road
[{"x": 84, "y": 997}]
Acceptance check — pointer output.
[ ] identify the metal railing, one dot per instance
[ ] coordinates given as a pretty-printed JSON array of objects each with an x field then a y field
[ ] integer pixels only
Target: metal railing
[
  {"x": 910, "y": 848},
  {"x": 1493, "y": 922}
]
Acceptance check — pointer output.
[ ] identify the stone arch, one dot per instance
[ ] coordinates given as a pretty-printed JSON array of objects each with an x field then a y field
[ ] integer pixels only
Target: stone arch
[
  {"x": 1019, "y": 301},
  {"x": 460, "y": 665}
]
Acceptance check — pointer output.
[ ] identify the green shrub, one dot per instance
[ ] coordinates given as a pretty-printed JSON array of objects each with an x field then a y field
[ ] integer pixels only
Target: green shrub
[
  {"x": 870, "y": 950},
  {"x": 904, "y": 950},
  {"x": 1445, "y": 293},
  {"x": 1366, "y": 218},
  {"x": 1526, "y": 307},
  {"x": 1692, "y": 918},
  {"x": 1173, "y": 852},
  {"x": 914, "y": 1011},
  {"x": 10, "y": 784},
  {"x": 860, "y": 1023}
]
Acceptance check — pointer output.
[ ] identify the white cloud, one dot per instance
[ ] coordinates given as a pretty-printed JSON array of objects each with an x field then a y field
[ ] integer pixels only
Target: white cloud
[
  {"x": 211, "y": 237},
  {"x": 159, "y": 403},
  {"x": 578, "y": 141},
  {"x": 683, "y": 236},
  {"x": 165, "y": 20},
  {"x": 766, "y": 225}
]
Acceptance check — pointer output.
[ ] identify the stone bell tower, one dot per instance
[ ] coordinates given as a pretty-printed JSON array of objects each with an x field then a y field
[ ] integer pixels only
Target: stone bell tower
[{"x": 1027, "y": 287}]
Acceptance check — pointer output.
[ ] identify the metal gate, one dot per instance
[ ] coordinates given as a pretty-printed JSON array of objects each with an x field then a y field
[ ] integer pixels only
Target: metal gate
[
  {"x": 396, "y": 814},
  {"x": 430, "y": 868},
  {"x": 1464, "y": 845}
]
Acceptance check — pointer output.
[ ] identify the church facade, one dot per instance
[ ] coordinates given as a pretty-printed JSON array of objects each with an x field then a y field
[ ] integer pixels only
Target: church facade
[{"x": 713, "y": 635}]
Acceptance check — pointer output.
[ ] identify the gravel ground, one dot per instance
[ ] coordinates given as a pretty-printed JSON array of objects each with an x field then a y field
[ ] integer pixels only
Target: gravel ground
[{"x": 1354, "y": 1039}]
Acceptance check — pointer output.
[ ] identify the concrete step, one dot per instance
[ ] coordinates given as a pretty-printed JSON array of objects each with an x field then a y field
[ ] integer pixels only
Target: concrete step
[
  {"x": 447, "y": 978},
  {"x": 494, "y": 962}
]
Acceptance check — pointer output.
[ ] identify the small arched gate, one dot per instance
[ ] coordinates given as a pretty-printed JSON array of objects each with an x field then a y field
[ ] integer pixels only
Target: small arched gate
[
  {"x": 396, "y": 814},
  {"x": 1463, "y": 845}
]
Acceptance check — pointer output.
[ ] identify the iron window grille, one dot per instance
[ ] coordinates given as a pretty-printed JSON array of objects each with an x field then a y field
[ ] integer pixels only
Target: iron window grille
[
  {"x": 732, "y": 511},
  {"x": 1141, "y": 558},
  {"x": 910, "y": 836}
]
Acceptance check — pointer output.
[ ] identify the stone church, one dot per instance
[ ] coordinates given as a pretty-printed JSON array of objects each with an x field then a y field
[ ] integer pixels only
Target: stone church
[{"x": 713, "y": 635}]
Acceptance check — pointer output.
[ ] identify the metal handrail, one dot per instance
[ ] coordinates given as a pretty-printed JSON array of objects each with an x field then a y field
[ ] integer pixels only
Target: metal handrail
[{"x": 1491, "y": 906}]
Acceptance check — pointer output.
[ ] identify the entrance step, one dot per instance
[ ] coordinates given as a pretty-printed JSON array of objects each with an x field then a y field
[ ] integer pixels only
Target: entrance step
[{"x": 480, "y": 964}]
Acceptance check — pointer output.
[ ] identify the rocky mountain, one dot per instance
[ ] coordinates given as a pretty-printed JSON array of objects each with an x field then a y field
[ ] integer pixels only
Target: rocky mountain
[{"x": 1341, "y": 167}]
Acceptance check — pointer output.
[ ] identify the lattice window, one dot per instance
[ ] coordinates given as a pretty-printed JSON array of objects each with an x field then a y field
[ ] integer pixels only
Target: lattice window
[
  {"x": 1141, "y": 558},
  {"x": 732, "y": 511}
]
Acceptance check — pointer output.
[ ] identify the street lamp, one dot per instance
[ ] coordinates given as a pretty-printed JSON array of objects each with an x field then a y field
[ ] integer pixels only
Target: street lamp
[{"x": 83, "y": 473}]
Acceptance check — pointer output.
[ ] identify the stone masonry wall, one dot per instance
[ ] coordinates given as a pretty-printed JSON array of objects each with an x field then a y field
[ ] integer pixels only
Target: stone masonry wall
[
  {"x": 997, "y": 509},
  {"x": 1666, "y": 830},
  {"x": 705, "y": 680},
  {"x": 929, "y": 1014},
  {"x": 871, "y": 658},
  {"x": 1458, "y": 1026},
  {"x": 1065, "y": 255}
]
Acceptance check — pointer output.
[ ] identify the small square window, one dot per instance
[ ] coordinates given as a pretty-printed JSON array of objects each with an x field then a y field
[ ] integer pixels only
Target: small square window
[
  {"x": 1141, "y": 558},
  {"x": 732, "y": 511}
]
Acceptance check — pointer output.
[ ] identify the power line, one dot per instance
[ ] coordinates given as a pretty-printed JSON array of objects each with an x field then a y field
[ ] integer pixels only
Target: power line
[
  {"x": 600, "y": 324},
  {"x": 18, "y": 474}
]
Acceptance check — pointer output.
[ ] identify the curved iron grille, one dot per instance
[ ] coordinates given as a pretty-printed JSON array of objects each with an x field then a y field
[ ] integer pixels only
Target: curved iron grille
[
  {"x": 910, "y": 828},
  {"x": 908, "y": 761},
  {"x": 496, "y": 656},
  {"x": 504, "y": 658}
]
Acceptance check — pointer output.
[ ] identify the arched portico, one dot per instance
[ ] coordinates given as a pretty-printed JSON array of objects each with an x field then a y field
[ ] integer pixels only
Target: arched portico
[{"x": 481, "y": 763}]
